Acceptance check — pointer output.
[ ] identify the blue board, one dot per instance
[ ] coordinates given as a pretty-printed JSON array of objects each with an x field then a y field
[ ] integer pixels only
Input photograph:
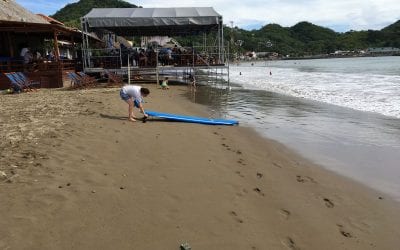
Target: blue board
[{"x": 193, "y": 119}]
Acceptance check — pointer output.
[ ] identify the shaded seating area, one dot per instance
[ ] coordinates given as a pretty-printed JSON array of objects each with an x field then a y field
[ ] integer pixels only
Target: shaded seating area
[
  {"x": 184, "y": 21},
  {"x": 53, "y": 47}
]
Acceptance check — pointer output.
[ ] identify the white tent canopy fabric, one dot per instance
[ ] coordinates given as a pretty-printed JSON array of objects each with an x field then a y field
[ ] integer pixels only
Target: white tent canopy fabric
[{"x": 154, "y": 21}]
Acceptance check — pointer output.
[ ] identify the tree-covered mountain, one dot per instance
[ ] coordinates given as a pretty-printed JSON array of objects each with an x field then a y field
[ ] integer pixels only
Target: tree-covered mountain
[
  {"x": 392, "y": 34},
  {"x": 302, "y": 39},
  {"x": 71, "y": 13},
  {"x": 305, "y": 38}
]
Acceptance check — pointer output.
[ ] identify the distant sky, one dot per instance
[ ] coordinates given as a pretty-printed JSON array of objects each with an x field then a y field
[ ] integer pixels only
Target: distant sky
[{"x": 339, "y": 15}]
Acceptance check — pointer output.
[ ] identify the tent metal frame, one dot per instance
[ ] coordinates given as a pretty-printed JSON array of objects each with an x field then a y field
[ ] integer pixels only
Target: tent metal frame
[{"x": 154, "y": 29}]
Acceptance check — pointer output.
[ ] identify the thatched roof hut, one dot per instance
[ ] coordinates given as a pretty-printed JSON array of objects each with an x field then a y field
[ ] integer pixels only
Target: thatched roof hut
[
  {"x": 50, "y": 19},
  {"x": 13, "y": 12},
  {"x": 19, "y": 28}
]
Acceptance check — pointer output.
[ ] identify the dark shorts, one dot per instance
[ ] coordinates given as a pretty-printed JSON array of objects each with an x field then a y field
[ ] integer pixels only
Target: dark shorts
[{"x": 126, "y": 97}]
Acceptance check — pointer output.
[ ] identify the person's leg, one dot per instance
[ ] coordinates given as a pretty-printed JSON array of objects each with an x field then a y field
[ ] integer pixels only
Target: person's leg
[
  {"x": 131, "y": 115},
  {"x": 128, "y": 99}
]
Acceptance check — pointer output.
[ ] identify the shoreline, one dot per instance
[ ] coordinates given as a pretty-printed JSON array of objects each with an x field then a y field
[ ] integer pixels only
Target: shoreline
[
  {"x": 329, "y": 156},
  {"x": 350, "y": 133},
  {"x": 86, "y": 178},
  {"x": 312, "y": 57}
]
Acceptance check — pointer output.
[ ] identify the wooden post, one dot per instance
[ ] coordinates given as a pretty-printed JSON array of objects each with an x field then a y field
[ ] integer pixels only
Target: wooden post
[
  {"x": 58, "y": 61},
  {"x": 129, "y": 71},
  {"x": 73, "y": 47},
  {"x": 56, "y": 49},
  {"x": 157, "y": 73},
  {"x": 10, "y": 44}
]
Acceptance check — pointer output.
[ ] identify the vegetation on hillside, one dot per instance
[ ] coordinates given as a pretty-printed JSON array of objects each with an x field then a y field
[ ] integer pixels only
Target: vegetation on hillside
[
  {"x": 71, "y": 13},
  {"x": 302, "y": 39},
  {"x": 308, "y": 39}
]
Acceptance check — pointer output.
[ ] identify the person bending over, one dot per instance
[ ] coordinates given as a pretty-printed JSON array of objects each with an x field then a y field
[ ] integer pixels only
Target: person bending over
[{"x": 133, "y": 95}]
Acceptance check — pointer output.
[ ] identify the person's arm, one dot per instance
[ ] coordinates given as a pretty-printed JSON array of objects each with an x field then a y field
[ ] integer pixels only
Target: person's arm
[{"x": 142, "y": 109}]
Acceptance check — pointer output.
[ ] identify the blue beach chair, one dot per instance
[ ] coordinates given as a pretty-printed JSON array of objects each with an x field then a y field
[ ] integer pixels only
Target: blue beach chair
[
  {"x": 15, "y": 84},
  {"x": 89, "y": 80},
  {"x": 26, "y": 81},
  {"x": 113, "y": 79},
  {"x": 76, "y": 81}
]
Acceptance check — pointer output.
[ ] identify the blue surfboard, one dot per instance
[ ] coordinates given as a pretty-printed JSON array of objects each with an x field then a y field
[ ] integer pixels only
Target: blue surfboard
[{"x": 192, "y": 119}]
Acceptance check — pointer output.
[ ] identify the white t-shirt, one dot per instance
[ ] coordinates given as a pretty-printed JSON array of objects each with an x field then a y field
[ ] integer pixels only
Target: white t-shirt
[{"x": 133, "y": 91}]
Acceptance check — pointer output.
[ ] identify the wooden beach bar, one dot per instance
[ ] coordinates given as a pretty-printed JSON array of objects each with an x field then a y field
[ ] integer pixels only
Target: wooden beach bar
[{"x": 54, "y": 46}]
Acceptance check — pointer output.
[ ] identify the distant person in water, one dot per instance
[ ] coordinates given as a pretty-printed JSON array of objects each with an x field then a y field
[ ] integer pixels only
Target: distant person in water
[
  {"x": 133, "y": 95},
  {"x": 192, "y": 80}
]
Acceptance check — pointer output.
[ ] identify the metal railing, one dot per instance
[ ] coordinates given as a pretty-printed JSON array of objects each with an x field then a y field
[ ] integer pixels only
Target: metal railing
[{"x": 183, "y": 56}]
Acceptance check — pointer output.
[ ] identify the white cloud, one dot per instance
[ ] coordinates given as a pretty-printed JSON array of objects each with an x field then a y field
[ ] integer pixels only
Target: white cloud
[{"x": 352, "y": 14}]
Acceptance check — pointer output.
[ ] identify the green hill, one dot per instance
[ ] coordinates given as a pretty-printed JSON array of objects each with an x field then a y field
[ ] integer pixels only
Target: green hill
[
  {"x": 307, "y": 32},
  {"x": 304, "y": 38},
  {"x": 71, "y": 13},
  {"x": 393, "y": 27},
  {"x": 392, "y": 33}
]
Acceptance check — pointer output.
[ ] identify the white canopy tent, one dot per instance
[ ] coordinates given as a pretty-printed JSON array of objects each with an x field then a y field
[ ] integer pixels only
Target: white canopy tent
[
  {"x": 153, "y": 21},
  {"x": 180, "y": 21}
]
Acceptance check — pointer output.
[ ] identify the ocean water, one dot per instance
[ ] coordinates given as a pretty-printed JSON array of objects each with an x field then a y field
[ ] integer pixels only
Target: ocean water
[{"x": 343, "y": 114}]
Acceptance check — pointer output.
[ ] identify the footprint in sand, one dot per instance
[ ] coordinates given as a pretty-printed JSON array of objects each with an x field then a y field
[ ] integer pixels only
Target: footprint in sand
[
  {"x": 257, "y": 190},
  {"x": 241, "y": 162},
  {"x": 240, "y": 174},
  {"x": 359, "y": 225},
  {"x": 235, "y": 216},
  {"x": 328, "y": 203},
  {"x": 226, "y": 146},
  {"x": 277, "y": 165},
  {"x": 303, "y": 179},
  {"x": 289, "y": 243},
  {"x": 243, "y": 192},
  {"x": 284, "y": 213},
  {"x": 344, "y": 232}
]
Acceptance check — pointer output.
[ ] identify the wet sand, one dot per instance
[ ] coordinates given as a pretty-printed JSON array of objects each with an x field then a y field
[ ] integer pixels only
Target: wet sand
[{"x": 75, "y": 174}]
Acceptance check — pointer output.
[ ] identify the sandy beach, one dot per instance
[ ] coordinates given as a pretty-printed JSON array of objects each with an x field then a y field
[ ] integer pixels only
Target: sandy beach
[{"x": 75, "y": 174}]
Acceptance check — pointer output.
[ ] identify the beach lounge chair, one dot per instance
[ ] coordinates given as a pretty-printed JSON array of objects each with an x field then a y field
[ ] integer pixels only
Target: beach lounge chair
[
  {"x": 113, "y": 79},
  {"x": 87, "y": 78},
  {"x": 19, "y": 84},
  {"x": 78, "y": 81},
  {"x": 26, "y": 81},
  {"x": 15, "y": 85}
]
